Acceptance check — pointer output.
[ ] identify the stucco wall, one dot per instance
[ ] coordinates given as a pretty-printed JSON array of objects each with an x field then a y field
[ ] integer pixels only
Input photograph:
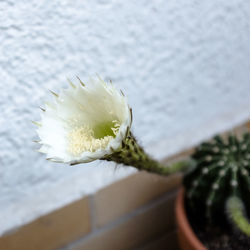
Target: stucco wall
[{"x": 184, "y": 66}]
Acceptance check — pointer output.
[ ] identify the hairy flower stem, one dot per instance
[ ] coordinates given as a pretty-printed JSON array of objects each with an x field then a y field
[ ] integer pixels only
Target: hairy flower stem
[
  {"x": 237, "y": 215},
  {"x": 132, "y": 154}
]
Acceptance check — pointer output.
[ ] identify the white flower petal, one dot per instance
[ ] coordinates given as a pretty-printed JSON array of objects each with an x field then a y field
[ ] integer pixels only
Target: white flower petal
[{"x": 80, "y": 125}]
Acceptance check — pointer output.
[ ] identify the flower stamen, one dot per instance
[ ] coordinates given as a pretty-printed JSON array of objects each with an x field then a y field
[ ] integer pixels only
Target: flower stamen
[{"x": 81, "y": 139}]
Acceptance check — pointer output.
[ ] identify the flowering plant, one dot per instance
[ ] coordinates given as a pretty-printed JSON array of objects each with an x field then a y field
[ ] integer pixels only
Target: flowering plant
[{"x": 93, "y": 121}]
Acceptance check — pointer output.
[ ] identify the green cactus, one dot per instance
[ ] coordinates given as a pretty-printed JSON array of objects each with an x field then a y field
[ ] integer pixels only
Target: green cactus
[{"x": 222, "y": 171}]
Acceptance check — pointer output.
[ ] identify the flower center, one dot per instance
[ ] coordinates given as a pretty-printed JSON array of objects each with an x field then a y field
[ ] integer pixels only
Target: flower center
[{"x": 83, "y": 138}]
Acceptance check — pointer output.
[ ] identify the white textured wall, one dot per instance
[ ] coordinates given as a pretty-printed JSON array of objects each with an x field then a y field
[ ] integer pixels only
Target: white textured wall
[{"x": 185, "y": 66}]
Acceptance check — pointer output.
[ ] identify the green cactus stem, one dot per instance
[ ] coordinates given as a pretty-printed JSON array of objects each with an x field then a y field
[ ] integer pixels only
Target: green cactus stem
[
  {"x": 222, "y": 170},
  {"x": 132, "y": 154},
  {"x": 237, "y": 215}
]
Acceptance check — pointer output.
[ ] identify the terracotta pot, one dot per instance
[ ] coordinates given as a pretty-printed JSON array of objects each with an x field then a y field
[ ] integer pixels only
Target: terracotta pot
[{"x": 187, "y": 238}]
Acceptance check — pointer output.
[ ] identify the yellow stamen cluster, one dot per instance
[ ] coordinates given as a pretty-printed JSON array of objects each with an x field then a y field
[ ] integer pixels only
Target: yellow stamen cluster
[{"x": 82, "y": 139}]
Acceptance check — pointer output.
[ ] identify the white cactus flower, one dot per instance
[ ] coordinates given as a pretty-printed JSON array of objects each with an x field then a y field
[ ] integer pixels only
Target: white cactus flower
[
  {"x": 84, "y": 123},
  {"x": 89, "y": 122}
]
